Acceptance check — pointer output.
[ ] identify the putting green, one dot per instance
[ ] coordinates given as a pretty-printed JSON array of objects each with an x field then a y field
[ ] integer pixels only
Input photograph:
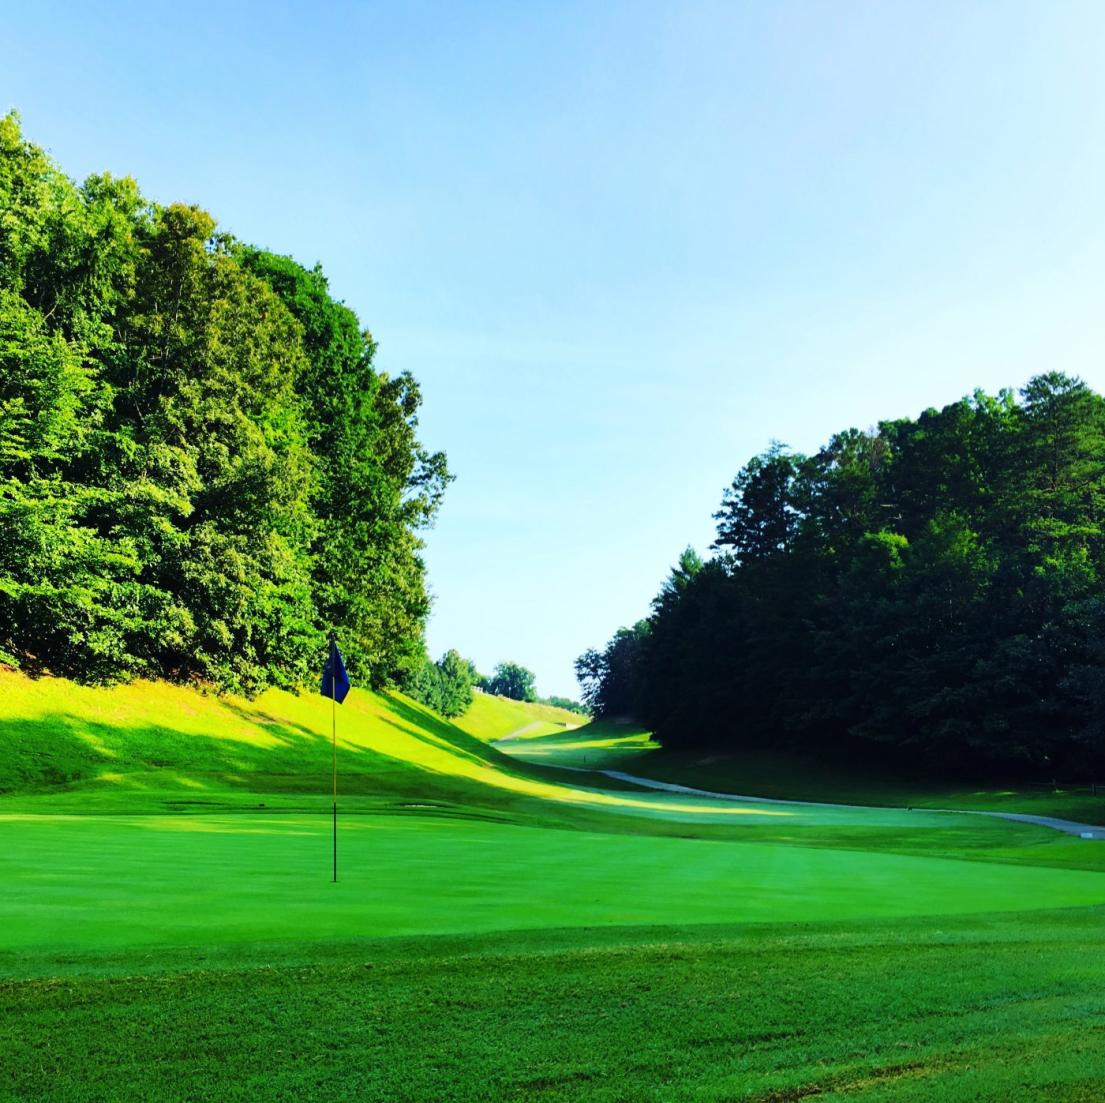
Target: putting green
[{"x": 88, "y": 884}]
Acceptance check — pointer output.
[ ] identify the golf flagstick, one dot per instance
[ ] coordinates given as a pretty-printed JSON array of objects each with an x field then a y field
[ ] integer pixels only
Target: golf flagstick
[
  {"x": 335, "y": 685},
  {"x": 334, "y": 756}
]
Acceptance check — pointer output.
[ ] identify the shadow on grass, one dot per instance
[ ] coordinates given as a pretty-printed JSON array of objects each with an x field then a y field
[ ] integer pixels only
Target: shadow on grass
[
  {"x": 63, "y": 761},
  {"x": 279, "y": 729},
  {"x": 462, "y": 744},
  {"x": 447, "y": 733},
  {"x": 59, "y": 750}
]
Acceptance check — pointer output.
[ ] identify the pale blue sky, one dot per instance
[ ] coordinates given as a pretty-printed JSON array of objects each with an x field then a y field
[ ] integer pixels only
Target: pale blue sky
[{"x": 623, "y": 246}]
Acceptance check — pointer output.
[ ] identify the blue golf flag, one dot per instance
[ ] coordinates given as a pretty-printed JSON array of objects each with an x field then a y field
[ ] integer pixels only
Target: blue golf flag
[{"x": 335, "y": 681}]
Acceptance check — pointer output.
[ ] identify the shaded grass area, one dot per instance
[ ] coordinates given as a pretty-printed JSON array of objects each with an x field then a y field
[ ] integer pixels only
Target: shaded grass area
[
  {"x": 606, "y": 745},
  {"x": 154, "y": 748},
  {"x": 991, "y": 1008}
]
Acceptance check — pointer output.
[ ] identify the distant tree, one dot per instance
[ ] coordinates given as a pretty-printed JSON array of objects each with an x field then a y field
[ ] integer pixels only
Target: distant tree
[
  {"x": 610, "y": 679},
  {"x": 758, "y": 512},
  {"x": 424, "y": 684},
  {"x": 565, "y": 703},
  {"x": 513, "y": 680},
  {"x": 456, "y": 684},
  {"x": 474, "y": 676},
  {"x": 444, "y": 686},
  {"x": 590, "y": 670}
]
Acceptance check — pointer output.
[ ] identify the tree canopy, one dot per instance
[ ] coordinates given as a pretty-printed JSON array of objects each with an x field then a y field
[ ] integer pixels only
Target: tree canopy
[
  {"x": 201, "y": 471},
  {"x": 445, "y": 686},
  {"x": 931, "y": 590},
  {"x": 513, "y": 680}
]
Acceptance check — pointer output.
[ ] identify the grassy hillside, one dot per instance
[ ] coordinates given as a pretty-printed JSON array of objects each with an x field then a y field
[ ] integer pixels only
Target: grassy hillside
[
  {"x": 158, "y": 747},
  {"x": 599, "y": 744},
  {"x": 492, "y": 718}
]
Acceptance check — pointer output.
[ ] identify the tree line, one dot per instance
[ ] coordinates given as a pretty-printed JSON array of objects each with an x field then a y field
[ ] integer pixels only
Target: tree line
[
  {"x": 446, "y": 685},
  {"x": 929, "y": 592},
  {"x": 201, "y": 469}
]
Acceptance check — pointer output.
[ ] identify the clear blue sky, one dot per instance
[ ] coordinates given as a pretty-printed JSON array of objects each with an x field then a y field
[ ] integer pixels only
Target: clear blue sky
[{"x": 622, "y": 246}]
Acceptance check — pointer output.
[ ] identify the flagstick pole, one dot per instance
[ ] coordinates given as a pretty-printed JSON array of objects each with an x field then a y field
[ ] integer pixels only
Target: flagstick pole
[{"x": 334, "y": 756}]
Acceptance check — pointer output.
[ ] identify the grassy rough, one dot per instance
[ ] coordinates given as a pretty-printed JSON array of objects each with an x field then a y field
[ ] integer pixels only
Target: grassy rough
[{"x": 492, "y": 717}]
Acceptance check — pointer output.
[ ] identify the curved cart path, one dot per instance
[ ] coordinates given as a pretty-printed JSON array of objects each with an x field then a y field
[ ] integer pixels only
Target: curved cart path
[
  {"x": 1068, "y": 827},
  {"x": 518, "y": 733}
]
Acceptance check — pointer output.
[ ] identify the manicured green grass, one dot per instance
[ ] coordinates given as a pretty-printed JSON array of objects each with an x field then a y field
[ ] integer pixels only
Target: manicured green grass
[
  {"x": 966, "y": 1009},
  {"x": 105, "y": 883},
  {"x": 503, "y": 930},
  {"x": 599, "y": 745}
]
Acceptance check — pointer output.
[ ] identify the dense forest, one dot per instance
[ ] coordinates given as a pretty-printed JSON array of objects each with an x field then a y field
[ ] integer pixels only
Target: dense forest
[
  {"x": 931, "y": 592},
  {"x": 201, "y": 470}
]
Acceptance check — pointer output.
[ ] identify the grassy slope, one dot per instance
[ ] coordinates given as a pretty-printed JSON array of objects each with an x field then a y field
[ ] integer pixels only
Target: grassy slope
[
  {"x": 151, "y": 747},
  {"x": 546, "y": 941},
  {"x": 492, "y": 717},
  {"x": 155, "y": 748}
]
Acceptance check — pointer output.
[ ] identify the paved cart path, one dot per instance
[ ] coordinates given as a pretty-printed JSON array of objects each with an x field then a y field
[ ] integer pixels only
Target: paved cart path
[
  {"x": 519, "y": 733},
  {"x": 1068, "y": 827}
]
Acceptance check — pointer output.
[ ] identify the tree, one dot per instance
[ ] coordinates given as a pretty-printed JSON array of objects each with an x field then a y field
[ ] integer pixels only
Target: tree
[
  {"x": 513, "y": 680},
  {"x": 758, "y": 516},
  {"x": 424, "y": 685},
  {"x": 928, "y": 592},
  {"x": 377, "y": 487},
  {"x": 70, "y": 596},
  {"x": 456, "y": 684},
  {"x": 610, "y": 679},
  {"x": 201, "y": 471},
  {"x": 444, "y": 686},
  {"x": 565, "y": 703}
]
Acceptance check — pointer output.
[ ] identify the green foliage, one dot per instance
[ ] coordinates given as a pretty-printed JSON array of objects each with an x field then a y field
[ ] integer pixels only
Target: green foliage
[
  {"x": 609, "y": 678},
  {"x": 444, "y": 686},
  {"x": 376, "y": 484},
  {"x": 928, "y": 592},
  {"x": 201, "y": 472},
  {"x": 758, "y": 516},
  {"x": 513, "y": 680}
]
